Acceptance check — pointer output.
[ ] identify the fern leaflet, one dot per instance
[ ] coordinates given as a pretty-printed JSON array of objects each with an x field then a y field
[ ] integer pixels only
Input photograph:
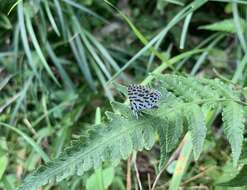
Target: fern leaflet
[
  {"x": 233, "y": 116},
  {"x": 196, "y": 125}
]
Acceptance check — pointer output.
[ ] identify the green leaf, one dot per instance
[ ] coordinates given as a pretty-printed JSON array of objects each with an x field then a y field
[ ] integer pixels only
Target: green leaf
[
  {"x": 5, "y": 22},
  {"x": 233, "y": 116},
  {"x": 238, "y": 25},
  {"x": 239, "y": 180},
  {"x": 3, "y": 157},
  {"x": 181, "y": 163},
  {"x": 29, "y": 140},
  {"x": 224, "y": 26},
  {"x": 197, "y": 127},
  {"x": 38, "y": 48},
  {"x": 101, "y": 179},
  {"x": 51, "y": 18},
  {"x": 24, "y": 37},
  {"x": 84, "y": 9}
]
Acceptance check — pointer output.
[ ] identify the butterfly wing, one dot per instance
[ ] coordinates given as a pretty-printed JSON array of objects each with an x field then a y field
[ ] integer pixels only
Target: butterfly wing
[
  {"x": 142, "y": 97},
  {"x": 136, "y": 95}
]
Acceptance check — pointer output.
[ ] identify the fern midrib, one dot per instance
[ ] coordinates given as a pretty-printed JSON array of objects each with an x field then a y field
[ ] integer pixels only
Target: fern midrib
[{"x": 106, "y": 142}]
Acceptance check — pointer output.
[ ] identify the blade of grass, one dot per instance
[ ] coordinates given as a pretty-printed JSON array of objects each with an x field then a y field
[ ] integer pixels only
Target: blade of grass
[
  {"x": 38, "y": 49},
  {"x": 65, "y": 77},
  {"x": 62, "y": 105},
  {"x": 50, "y": 17},
  {"x": 187, "y": 10},
  {"x": 202, "y": 58},
  {"x": 4, "y": 82},
  {"x": 9, "y": 101},
  {"x": 231, "y": 1},
  {"x": 43, "y": 102},
  {"x": 24, "y": 38},
  {"x": 81, "y": 60},
  {"x": 185, "y": 30},
  {"x": 42, "y": 26},
  {"x": 175, "y": 2},
  {"x": 240, "y": 34},
  {"x": 171, "y": 61},
  {"x": 14, "y": 5},
  {"x": 238, "y": 75},
  {"x": 16, "y": 45},
  {"x": 138, "y": 34},
  {"x": 22, "y": 96},
  {"x": 132, "y": 60},
  {"x": 203, "y": 43},
  {"x": 98, "y": 175},
  {"x": 60, "y": 17},
  {"x": 102, "y": 80},
  {"x": 182, "y": 162},
  {"x": 95, "y": 56},
  {"x": 78, "y": 49},
  {"x": 84, "y": 9},
  {"x": 190, "y": 8},
  {"x": 104, "y": 52},
  {"x": 29, "y": 140}
]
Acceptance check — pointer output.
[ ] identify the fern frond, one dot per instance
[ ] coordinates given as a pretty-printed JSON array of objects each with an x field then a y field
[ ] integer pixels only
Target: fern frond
[
  {"x": 183, "y": 98},
  {"x": 187, "y": 87},
  {"x": 233, "y": 116},
  {"x": 112, "y": 142},
  {"x": 197, "y": 127}
]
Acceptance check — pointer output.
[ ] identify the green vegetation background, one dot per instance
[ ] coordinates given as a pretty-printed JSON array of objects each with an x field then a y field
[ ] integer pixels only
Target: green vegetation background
[{"x": 60, "y": 61}]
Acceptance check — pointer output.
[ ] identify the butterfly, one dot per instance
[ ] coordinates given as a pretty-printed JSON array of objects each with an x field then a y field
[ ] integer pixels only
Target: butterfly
[{"x": 142, "y": 97}]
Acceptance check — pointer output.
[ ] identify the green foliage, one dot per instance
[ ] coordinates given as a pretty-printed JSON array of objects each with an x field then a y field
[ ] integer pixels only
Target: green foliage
[
  {"x": 233, "y": 117},
  {"x": 169, "y": 133},
  {"x": 182, "y": 98},
  {"x": 225, "y": 26},
  {"x": 3, "y": 156},
  {"x": 101, "y": 179},
  {"x": 196, "y": 125},
  {"x": 239, "y": 179},
  {"x": 57, "y": 62},
  {"x": 112, "y": 142},
  {"x": 71, "y": 49}
]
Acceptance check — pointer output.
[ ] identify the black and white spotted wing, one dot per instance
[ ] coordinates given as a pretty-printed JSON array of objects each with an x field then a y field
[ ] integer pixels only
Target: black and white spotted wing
[{"x": 142, "y": 97}]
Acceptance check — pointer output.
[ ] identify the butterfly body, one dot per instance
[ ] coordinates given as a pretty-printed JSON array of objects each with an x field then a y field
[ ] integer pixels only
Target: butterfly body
[{"x": 142, "y": 97}]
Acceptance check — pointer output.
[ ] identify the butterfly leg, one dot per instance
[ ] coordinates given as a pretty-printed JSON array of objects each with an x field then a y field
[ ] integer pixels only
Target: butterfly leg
[{"x": 135, "y": 114}]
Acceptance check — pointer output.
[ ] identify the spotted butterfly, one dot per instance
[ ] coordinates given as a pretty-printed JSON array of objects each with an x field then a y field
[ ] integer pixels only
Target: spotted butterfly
[{"x": 142, "y": 97}]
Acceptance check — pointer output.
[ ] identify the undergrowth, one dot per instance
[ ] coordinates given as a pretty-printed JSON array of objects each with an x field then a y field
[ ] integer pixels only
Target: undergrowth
[
  {"x": 58, "y": 60},
  {"x": 183, "y": 105}
]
